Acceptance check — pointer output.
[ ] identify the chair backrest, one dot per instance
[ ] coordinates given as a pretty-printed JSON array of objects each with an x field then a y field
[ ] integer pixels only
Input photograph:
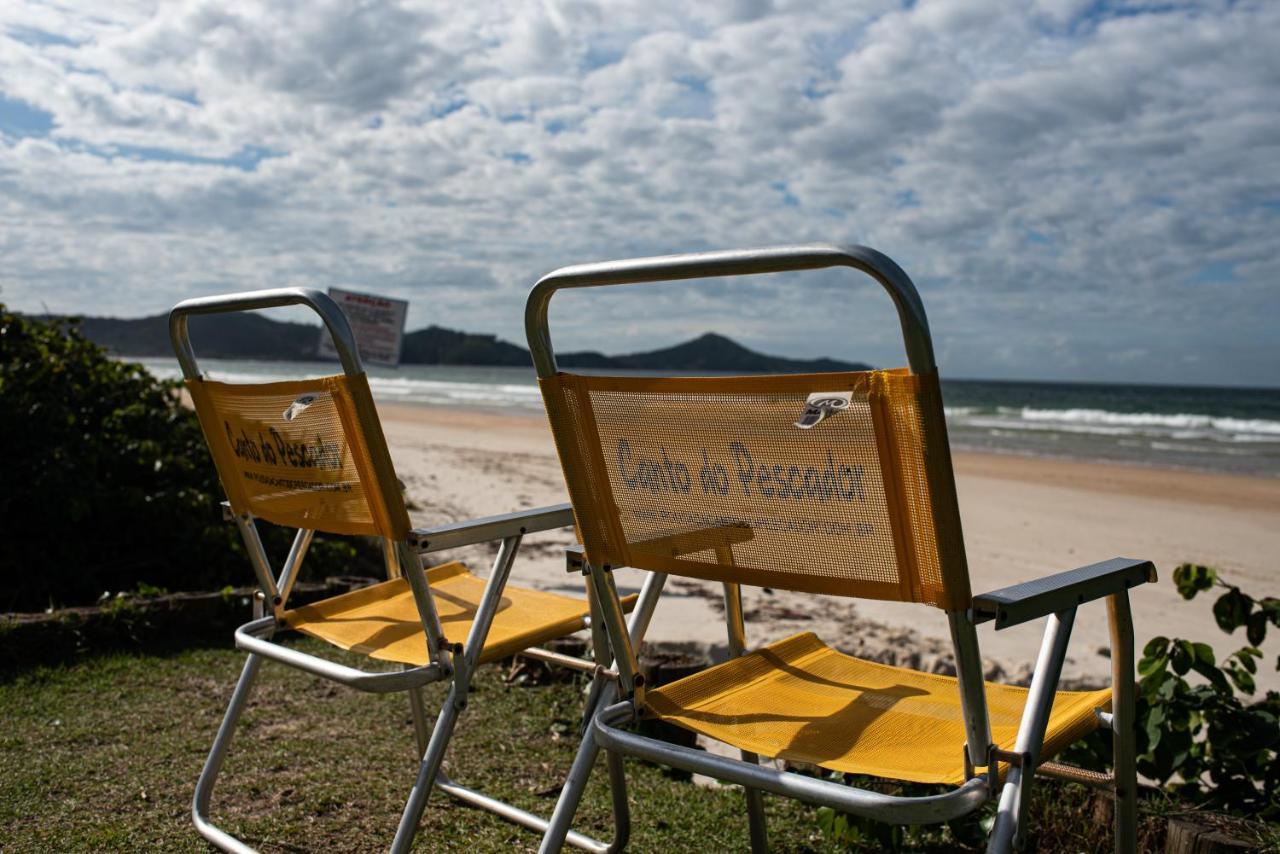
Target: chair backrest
[
  {"x": 304, "y": 453},
  {"x": 843, "y": 479}
]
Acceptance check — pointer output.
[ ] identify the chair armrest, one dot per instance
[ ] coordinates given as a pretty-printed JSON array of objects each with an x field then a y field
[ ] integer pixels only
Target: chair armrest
[
  {"x": 689, "y": 542},
  {"x": 1040, "y": 597},
  {"x": 489, "y": 528},
  {"x": 684, "y": 543}
]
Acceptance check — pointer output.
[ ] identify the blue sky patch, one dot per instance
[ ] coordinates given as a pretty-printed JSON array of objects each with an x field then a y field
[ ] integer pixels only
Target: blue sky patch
[
  {"x": 1216, "y": 272},
  {"x": 33, "y": 36},
  {"x": 788, "y": 198},
  {"x": 246, "y": 159},
  {"x": 21, "y": 119}
]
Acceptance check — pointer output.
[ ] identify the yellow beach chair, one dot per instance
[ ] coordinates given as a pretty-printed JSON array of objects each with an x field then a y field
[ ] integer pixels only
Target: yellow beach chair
[
  {"x": 831, "y": 483},
  {"x": 310, "y": 454}
]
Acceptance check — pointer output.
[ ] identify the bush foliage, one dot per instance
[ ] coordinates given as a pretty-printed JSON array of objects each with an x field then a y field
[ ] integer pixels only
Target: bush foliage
[
  {"x": 1214, "y": 743},
  {"x": 108, "y": 484}
]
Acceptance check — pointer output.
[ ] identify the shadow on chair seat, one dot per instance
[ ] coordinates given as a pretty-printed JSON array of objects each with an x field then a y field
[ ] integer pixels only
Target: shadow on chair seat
[
  {"x": 800, "y": 700},
  {"x": 381, "y": 621}
]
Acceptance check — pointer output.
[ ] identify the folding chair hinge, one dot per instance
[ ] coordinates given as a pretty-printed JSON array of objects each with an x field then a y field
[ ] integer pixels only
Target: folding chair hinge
[
  {"x": 575, "y": 560},
  {"x": 461, "y": 675},
  {"x": 636, "y": 696},
  {"x": 994, "y": 756},
  {"x": 1009, "y": 757}
]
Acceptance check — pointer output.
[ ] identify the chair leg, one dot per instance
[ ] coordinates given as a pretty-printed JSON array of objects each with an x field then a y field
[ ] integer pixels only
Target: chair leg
[
  {"x": 524, "y": 818},
  {"x": 1005, "y": 825},
  {"x": 213, "y": 765},
  {"x": 755, "y": 812},
  {"x": 1010, "y": 827},
  {"x": 603, "y": 694},
  {"x": 431, "y": 759},
  {"x": 1123, "y": 724},
  {"x": 421, "y": 726},
  {"x": 621, "y": 810},
  {"x": 576, "y": 783},
  {"x": 1126, "y": 797},
  {"x": 736, "y": 625}
]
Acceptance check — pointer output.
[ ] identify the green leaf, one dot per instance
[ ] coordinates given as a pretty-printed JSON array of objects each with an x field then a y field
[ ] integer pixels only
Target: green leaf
[
  {"x": 1153, "y": 727},
  {"x": 1215, "y": 677},
  {"x": 1150, "y": 666},
  {"x": 1242, "y": 678},
  {"x": 1246, "y": 655},
  {"x": 1256, "y": 627},
  {"x": 1232, "y": 610},
  {"x": 1155, "y": 681},
  {"x": 1204, "y": 653},
  {"x": 1181, "y": 657},
  {"x": 1191, "y": 578},
  {"x": 1156, "y": 646}
]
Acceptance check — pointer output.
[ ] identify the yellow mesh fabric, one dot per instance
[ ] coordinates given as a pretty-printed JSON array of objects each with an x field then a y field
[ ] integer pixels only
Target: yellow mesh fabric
[
  {"x": 862, "y": 504},
  {"x": 382, "y": 621},
  {"x": 303, "y": 453},
  {"x": 800, "y": 700}
]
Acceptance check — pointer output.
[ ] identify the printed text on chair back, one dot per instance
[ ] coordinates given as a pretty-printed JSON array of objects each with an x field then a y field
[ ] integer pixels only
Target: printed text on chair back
[
  {"x": 844, "y": 479},
  {"x": 303, "y": 453}
]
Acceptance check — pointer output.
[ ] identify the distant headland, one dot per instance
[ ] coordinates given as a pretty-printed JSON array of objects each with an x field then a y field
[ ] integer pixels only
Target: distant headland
[{"x": 250, "y": 336}]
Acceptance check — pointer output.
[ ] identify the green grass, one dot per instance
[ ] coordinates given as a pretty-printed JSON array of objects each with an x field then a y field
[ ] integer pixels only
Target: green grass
[{"x": 104, "y": 753}]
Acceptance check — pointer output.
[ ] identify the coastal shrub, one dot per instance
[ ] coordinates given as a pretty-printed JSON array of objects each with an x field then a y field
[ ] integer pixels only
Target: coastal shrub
[
  {"x": 1214, "y": 743},
  {"x": 107, "y": 484},
  {"x": 1210, "y": 741}
]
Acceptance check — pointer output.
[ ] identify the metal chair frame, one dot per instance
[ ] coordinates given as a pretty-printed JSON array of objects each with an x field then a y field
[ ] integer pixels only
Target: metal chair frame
[
  {"x": 454, "y": 662},
  {"x": 1055, "y": 597}
]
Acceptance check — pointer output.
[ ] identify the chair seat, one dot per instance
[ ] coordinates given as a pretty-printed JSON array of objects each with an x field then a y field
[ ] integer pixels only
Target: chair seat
[
  {"x": 800, "y": 700},
  {"x": 381, "y": 621}
]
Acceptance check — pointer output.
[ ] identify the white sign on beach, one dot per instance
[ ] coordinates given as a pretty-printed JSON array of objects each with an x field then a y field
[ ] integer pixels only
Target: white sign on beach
[{"x": 378, "y": 324}]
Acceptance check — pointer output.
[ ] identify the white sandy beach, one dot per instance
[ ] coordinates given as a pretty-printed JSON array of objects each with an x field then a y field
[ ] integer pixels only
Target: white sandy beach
[{"x": 1023, "y": 517}]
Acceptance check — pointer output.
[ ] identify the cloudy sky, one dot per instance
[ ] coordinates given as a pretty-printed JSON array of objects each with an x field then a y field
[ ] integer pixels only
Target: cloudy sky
[{"x": 1084, "y": 190}]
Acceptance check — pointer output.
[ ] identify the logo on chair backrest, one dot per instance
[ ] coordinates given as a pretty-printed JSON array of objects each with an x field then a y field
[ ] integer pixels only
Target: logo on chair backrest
[
  {"x": 295, "y": 409},
  {"x": 821, "y": 405}
]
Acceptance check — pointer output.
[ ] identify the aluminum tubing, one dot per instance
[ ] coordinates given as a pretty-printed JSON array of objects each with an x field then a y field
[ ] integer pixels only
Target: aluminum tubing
[
  {"x": 923, "y": 810},
  {"x": 514, "y": 814},
  {"x": 248, "y": 639}
]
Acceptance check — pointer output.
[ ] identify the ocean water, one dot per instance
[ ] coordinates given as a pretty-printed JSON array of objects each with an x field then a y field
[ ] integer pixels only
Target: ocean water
[{"x": 1229, "y": 430}]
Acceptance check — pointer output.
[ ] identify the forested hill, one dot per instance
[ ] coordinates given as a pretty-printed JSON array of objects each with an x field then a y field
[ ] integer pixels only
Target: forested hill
[{"x": 252, "y": 336}]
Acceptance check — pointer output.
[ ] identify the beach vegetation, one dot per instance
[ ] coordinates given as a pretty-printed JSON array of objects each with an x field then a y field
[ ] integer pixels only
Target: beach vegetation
[
  {"x": 1212, "y": 740},
  {"x": 109, "y": 486},
  {"x": 1204, "y": 735}
]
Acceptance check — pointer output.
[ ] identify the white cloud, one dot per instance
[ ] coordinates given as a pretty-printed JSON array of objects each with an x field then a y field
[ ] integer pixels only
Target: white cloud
[{"x": 1077, "y": 193}]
